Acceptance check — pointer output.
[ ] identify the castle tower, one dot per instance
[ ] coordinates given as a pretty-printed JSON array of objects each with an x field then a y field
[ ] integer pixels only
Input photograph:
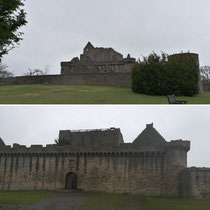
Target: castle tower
[{"x": 175, "y": 161}]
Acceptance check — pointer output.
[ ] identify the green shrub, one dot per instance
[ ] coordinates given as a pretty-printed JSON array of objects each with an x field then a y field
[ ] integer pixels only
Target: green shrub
[{"x": 160, "y": 75}]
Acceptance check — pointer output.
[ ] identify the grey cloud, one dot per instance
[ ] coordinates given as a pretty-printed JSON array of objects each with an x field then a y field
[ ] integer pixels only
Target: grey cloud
[{"x": 58, "y": 31}]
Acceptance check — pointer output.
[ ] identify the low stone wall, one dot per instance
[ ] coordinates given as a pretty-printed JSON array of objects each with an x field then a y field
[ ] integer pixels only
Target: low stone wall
[
  {"x": 195, "y": 183},
  {"x": 104, "y": 79},
  {"x": 206, "y": 86}
]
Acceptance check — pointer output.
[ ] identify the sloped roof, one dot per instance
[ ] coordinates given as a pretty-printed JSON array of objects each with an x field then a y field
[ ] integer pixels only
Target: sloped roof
[
  {"x": 149, "y": 136},
  {"x": 2, "y": 142},
  {"x": 89, "y": 45}
]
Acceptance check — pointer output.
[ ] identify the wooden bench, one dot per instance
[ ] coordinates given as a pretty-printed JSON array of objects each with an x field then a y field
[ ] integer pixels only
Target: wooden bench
[{"x": 172, "y": 100}]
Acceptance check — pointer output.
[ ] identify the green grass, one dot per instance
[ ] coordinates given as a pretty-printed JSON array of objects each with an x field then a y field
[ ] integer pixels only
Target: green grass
[
  {"x": 175, "y": 204},
  {"x": 112, "y": 202},
  {"x": 72, "y": 94},
  {"x": 24, "y": 197},
  {"x": 106, "y": 201}
]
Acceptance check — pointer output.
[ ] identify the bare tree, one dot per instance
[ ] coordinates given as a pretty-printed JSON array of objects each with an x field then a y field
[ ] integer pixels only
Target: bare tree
[
  {"x": 4, "y": 73},
  {"x": 34, "y": 72},
  {"x": 37, "y": 72},
  {"x": 205, "y": 73}
]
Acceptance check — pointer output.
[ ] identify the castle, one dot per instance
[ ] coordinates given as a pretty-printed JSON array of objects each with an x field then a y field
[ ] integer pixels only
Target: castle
[
  {"x": 99, "y": 160},
  {"x": 96, "y": 66},
  {"x": 98, "y": 60}
]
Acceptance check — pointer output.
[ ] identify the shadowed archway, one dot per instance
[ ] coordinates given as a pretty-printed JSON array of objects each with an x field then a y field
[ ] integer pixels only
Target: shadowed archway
[{"x": 71, "y": 181}]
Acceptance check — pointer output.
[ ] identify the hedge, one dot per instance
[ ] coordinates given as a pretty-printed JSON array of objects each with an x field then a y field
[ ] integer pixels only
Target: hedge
[{"x": 163, "y": 75}]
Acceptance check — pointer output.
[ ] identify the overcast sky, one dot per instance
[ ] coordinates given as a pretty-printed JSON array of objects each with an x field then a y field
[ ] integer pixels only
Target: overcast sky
[
  {"x": 58, "y": 30},
  {"x": 41, "y": 124}
]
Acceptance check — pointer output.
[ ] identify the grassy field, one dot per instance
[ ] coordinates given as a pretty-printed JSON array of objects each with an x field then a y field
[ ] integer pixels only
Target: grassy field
[
  {"x": 24, "y": 197},
  {"x": 103, "y": 201},
  {"x": 175, "y": 204},
  {"x": 71, "y": 94},
  {"x": 113, "y": 202}
]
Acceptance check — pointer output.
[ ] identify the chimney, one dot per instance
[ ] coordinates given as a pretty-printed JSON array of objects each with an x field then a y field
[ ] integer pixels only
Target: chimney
[{"x": 150, "y": 125}]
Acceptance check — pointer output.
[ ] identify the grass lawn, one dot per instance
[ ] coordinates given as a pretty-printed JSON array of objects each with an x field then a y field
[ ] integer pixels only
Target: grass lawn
[
  {"x": 175, "y": 204},
  {"x": 102, "y": 200},
  {"x": 72, "y": 94},
  {"x": 24, "y": 197},
  {"x": 112, "y": 202}
]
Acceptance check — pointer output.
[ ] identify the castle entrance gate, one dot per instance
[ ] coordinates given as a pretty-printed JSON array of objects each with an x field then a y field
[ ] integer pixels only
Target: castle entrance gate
[{"x": 71, "y": 181}]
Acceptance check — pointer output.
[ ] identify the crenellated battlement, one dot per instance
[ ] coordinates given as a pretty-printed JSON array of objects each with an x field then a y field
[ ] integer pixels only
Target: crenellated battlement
[
  {"x": 102, "y": 161},
  {"x": 122, "y": 150},
  {"x": 103, "y": 141},
  {"x": 178, "y": 145},
  {"x": 81, "y": 154},
  {"x": 198, "y": 169},
  {"x": 79, "y": 149}
]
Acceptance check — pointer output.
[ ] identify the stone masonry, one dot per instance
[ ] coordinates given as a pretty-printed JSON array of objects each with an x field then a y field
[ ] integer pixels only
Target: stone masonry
[
  {"x": 96, "y": 66},
  {"x": 195, "y": 183},
  {"x": 98, "y": 60},
  {"x": 99, "y": 160}
]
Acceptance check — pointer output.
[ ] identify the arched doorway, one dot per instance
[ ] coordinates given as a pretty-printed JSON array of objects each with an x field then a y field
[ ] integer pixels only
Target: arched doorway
[{"x": 71, "y": 181}]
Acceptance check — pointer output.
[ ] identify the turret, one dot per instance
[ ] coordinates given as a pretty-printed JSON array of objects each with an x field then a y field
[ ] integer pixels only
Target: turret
[
  {"x": 175, "y": 161},
  {"x": 177, "y": 153}
]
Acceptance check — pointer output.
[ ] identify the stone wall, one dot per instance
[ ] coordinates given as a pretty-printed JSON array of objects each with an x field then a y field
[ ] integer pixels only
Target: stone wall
[
  {"x": 99, "y": 55},
  {"x": 98, "y": 60},
  {"x": 46, "y": 168},
  {"x": 120, "y": 173},
  {"x": 104, "y": 79},
  {"x": 193, "y": 56},
  {"x": 91, "y": 68},
  {"x": 92, "y": 138},
  {"x": 206, "y": 86},
  {"x": 148, "y": 166},
  {"x": 176, "y": 161},
  {"x": 195, "y": 183}
]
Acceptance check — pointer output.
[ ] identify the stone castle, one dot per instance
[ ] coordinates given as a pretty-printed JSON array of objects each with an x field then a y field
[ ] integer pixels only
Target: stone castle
[
  {"x": 96, "y": 66},
  {"x": 98, "y": 60},
  {"x": 99, "y": 160}
]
